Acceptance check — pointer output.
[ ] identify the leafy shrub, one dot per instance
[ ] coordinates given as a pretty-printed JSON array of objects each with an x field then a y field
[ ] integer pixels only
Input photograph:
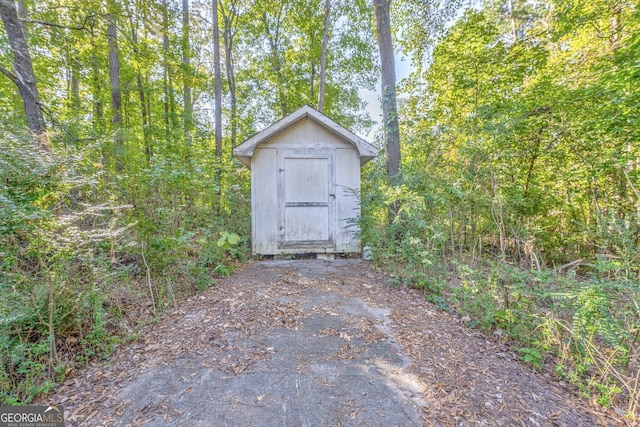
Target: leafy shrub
[
  {"x": 53, "y": 273},
  {"x": 583, "y": 316}
]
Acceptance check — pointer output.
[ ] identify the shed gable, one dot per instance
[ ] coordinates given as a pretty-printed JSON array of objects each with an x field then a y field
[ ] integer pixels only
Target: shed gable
[
  {"x": 307, "y": 126},
  {"x": 306, "y": 134}
]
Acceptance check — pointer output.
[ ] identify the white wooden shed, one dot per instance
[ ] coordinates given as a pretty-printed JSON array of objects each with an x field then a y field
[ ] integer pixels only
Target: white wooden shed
[{"x": 305, "y": 184}]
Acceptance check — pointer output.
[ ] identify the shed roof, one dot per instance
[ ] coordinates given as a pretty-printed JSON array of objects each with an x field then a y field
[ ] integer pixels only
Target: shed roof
[{"x": 244, "y": 151}]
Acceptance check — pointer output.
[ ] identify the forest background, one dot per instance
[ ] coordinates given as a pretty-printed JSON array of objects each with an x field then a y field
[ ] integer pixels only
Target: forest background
[{"x": 515, "y": 203}]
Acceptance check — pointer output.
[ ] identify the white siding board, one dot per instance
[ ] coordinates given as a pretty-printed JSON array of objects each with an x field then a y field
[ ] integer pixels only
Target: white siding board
[
  {"x": 306, "y": 136},
  {"x": 264, "y": 204},
  {"x": 293, "y": 134},
  {"x": 347, "y": 192}
]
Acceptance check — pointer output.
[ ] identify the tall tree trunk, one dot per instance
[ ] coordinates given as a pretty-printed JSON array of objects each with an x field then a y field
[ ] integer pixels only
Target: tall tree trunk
[
  {"x": 229, "y": 19},
  {"x": 312, "y": 81},
  {"x": 512, "y": 18},
  {"x": 75, "y": 82},
  {"x": 167, "y": 98},
  {"x": 142, "y": 96},
  {"x": 23, "y": 15},
  {"x": 323, "y": 55},
  {"x": 231, "y": 80},
  {"x": 186, "y": 62},
  {"x": 96, "y": 86},
  {"x": 23, "y": 75},
  {"x": 273, "y": 37},
  {"x": 615, "y": 9},
  {"x": 389, "y": 104},
  {"x": 148, "y": 149},
  {"x": 114, "y": 72},
  {"x": 116, "y": 90},
  {"x": 217, "y": 75}
]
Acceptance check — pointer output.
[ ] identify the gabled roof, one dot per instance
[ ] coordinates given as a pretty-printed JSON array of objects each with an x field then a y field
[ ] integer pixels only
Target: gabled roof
[{"x": 244, "y": 151}]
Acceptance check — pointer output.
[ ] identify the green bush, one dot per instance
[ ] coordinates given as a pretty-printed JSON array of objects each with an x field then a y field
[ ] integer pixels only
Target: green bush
[
  {"x": 582, "y": 317},
  {"x": 53, "y": 271}
]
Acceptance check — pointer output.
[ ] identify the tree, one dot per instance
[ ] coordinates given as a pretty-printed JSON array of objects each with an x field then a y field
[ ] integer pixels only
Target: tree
[
  {"x": 95, "y": 61},
  {"x": 273, "y": 23},
  {"x": 230, "y": 16},
  {"x": 23, "y": 75},
  {"x": 145, "y": 110},
  {"x": 388, "y": 89},
  {"x": 186, "y": 65},
  {"x": 217, "y": 75},
  {"x": 168, "y": 98},
  {"x": 420, "y": 24},
  {"x": 114, "y": 82},
  {"x": 323, "y": 55}
]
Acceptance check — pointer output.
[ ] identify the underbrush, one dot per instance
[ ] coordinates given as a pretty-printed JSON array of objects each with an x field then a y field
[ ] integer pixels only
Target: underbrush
[
  {"x": 84, "y": 260},
  {"x": 579, "y": 321},
  {"x": 583, "y": 325}
]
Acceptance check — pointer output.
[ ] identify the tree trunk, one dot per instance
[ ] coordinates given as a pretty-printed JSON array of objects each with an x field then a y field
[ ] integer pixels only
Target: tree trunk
[
  {"x": 186, "y": 62},
  {"x": 389, "y": 105},
  {"x": 217, "y": 101},
  {"x": 116, "y": 91},
  {"x": 75, "y": 82},
  {"x": 23, "y": 15},
  {"x": 312, "y": 80},
  {"x": 96, "y": 86},
  {"x": 146, "y": 125},
  {"x": 616, "y": 27},
  {"x": 217, "y": 75},
  {"x": 165, "y": 69},
  {"x": 228, "y": 35},
  {"x": 23, "y": 75},
  {"x": 323, "y": 56},
  {"x": 148, "y": 149},
  {"x": 512, "y": 18},
  {"x": 114, "y": 72},
  {"x": 273, "y": 37}
]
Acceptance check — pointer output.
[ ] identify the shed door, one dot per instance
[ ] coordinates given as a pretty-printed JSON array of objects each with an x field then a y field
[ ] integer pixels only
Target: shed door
[{"x": 306, "y": 202}]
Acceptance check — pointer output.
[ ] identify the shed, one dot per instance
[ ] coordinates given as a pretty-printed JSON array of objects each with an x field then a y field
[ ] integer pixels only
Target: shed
[{"x": 305, "y": 185}]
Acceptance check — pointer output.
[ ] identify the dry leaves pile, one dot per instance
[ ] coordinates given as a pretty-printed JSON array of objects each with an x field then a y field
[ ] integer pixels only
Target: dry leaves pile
[{"x": 468, "y": 378}]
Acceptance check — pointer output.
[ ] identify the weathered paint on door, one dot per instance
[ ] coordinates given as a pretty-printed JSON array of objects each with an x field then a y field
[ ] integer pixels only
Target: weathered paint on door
[{"x": 306, "y": 215}]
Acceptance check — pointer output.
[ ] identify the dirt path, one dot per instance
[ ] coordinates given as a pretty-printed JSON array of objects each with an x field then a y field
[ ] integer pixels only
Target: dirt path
[{"x": 316, "y": 343}]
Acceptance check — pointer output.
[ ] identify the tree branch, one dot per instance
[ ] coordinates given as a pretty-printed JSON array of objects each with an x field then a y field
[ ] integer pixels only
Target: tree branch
[
  {"x": 52, "y": 24},
  {"x": 9, "y": 75},
  {"x": 635, "y": 191}
]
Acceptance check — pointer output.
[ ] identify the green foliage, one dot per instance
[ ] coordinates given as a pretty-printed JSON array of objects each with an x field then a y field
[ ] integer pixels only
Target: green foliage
[
  {"x": 50, "y": 272},
  {"x": 70, "y": 264},
  {"x": 535, "y": 173},
  {"x": 531, "y": 355},
  {"x": 228, "y": 240},
  {"x": 584, "y": 316},
  {"x": 521, "y": 184},
  {"x": 410, "y": 242},
  {"x": 218, "y": 257},
  {"x": 98, "y": 342}
]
